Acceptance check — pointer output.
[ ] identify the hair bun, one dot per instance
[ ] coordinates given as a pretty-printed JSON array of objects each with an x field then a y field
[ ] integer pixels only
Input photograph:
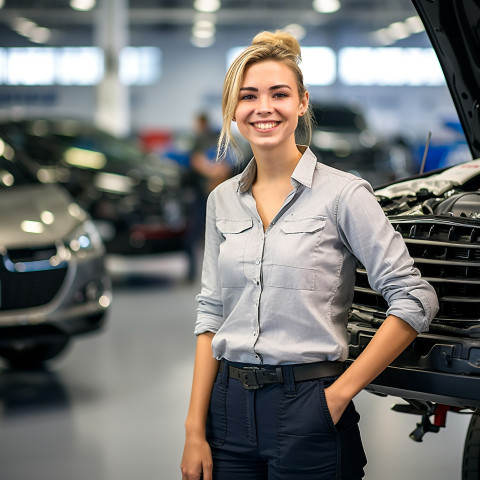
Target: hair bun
[{"x": 279, "y": 39}]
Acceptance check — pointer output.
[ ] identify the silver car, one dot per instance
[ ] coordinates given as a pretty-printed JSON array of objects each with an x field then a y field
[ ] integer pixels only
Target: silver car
[{"x": 53, "y": 280}]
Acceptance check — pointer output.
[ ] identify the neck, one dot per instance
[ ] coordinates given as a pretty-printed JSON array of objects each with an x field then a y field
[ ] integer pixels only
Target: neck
[{"x": 276, "y": 163}]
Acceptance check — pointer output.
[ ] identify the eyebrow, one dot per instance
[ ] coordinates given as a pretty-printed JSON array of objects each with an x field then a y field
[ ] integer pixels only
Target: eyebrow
[{"x": 274, "y": 87}]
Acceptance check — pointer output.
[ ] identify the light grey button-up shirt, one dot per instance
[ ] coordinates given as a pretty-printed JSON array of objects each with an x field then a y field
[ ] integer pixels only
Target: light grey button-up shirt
[{"x": 283, "y": 295}]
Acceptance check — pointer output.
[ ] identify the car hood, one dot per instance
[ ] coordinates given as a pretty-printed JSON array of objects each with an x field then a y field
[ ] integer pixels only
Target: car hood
[
  {"x": 452, "y": 27},
  {"x": 36, "y": 215}
]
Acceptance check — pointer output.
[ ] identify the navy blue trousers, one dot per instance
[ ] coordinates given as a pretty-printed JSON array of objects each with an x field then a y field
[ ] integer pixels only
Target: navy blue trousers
[{"x": 282, "y": 431}]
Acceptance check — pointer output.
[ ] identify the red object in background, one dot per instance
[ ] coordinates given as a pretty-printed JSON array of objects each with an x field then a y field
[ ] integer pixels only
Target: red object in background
[{"x": 155, "y": 140}]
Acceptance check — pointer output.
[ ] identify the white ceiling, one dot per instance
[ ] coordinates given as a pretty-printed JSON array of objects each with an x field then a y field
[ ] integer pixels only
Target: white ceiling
[{"x": 360, "y": 15}]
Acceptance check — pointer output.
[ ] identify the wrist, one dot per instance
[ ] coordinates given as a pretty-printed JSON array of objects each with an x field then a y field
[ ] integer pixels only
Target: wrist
[
  {"x": 342, "y": 391},
  {"x": 194, "y": 430}
]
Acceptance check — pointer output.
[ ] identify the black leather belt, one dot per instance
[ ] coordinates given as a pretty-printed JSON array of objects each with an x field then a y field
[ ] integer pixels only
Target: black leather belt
[{"x": 253, "y": 377}]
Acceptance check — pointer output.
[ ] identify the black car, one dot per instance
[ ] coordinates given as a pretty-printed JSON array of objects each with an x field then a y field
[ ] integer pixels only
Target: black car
[
  {"x": 138, "y": 202},
  {"x": 53, "y": 281},
  {"x": 438, "y": 215},
  {"x": 342, "y": 138}
]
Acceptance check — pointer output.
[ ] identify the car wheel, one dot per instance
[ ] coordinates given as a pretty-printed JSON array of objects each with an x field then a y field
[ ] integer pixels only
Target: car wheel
[
  {"x": 471, "y": 451},
  {"x": 33, "y": 354}
]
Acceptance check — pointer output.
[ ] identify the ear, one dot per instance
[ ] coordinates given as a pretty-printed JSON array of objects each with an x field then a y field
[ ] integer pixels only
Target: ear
[{"x": 303, "y": 104}]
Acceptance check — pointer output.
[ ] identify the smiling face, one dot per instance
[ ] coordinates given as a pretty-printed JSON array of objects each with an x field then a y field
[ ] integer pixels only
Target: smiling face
[{"x": 269, "y": 105}]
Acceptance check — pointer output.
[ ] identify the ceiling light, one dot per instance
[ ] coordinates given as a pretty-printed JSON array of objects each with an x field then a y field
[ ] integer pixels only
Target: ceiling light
[
  {"x": 40, "y": 35},
  {"x": 23, "y": 26},
  {"x": 326, "y": 6},
  {"x": 82, "y": 5},
  {"x": 199, "y": 33},
  {"x": 202, "y": 42},
  {"x": 207, "y": 6},
  {"x": 383, "y": 36},
  {"x": 203, "y": 29},
  {"x": 398, "y": 30},
  {"x": 296, "y": 30},
  {"x": 414, "y": 24}
]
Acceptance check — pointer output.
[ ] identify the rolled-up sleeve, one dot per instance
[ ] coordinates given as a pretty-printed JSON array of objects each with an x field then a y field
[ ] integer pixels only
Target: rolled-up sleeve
[
  {"x": 368, "y": 234},
  {"x": 210, "y": 306}
]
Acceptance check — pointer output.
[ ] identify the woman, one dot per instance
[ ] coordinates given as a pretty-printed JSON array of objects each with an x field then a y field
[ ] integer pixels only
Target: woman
[{"x": 271, "y": 398}]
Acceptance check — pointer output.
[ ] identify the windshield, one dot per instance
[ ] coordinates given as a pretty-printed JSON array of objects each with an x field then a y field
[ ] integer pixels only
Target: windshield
[
  {"x": 338, "y": 117},
  {"x": 74, "y": 143}
]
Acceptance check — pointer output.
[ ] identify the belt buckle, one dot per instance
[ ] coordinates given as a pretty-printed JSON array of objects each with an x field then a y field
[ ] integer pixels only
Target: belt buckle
[{"x": 250, "y": 374}]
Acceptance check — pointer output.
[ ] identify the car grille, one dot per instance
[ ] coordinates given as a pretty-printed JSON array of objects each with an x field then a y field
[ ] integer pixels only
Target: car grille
[
  {"x": 447, "y": 253},
  {"x": 36, "y": 286}
]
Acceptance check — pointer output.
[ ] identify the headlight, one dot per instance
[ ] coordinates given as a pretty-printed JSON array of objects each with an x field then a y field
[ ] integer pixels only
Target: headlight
[{"x": 83, "y": 239}]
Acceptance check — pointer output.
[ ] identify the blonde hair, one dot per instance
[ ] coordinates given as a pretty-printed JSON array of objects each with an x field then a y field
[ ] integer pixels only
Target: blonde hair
[{"x": 277, "y": 46}]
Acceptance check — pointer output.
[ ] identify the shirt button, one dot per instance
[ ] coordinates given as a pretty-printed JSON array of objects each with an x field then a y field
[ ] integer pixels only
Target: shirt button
[{"x": 257, "y": 262}]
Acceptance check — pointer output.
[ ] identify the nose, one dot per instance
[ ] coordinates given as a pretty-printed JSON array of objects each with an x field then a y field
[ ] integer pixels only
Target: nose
[{"x": 264, "y": 107}]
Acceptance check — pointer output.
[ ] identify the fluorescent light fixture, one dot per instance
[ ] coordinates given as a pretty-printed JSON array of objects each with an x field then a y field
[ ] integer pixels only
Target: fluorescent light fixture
[
  {"x": 82, "y": 5},
  {"x": 30, "y": 66},
  {"x": 23, "y": 26},
  {"x": 78, "y": 65},
  {"x": 140, "y": 65},
  {"x": 398, "y": 31},
  {"x": 382, "y": 36},
  {"x": 326, "y": 6},
  {"x": 389, "y": 66},
  {"x": 40, "y": 35},
  {"x": 207, "y": 6},
  {"x": 318, "y": 65},
  {"x": 202, "y": 42},
  {"x": 203, "y": 32},
  {"x": 414, "y": 24}
]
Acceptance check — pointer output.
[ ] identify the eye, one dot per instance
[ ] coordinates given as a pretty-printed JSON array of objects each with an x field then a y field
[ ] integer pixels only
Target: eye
[
  {"x": 249, "y": 96},
  {"x": 280, "y": 95}
]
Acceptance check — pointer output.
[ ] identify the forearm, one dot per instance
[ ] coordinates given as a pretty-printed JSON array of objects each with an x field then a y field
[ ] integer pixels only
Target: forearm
[
  {"x": 204, "y": 374},
  {"x": 387, "y": 344}
]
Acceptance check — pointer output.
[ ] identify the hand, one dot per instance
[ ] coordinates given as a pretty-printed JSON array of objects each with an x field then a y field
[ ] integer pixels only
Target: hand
[
  {"x": 335, "y": 403},
  {"x": 197, "y": 460}
]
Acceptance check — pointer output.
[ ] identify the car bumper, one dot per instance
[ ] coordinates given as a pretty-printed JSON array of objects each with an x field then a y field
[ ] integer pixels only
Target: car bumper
[
  {"x": 79, "y": 305},
  {"x": 433, "y": 368}
]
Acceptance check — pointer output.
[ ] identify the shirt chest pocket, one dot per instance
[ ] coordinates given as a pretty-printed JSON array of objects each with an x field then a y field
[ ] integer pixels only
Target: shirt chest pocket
[
  {"x": 296, "y": 254},
  {"x": 231, "y": 259}
]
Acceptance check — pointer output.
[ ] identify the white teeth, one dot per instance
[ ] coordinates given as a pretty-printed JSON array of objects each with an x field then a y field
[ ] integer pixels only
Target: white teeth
[{"x": 265, "y": 126}]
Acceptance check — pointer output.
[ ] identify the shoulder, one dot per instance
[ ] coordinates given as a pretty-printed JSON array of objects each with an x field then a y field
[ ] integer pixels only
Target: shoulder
[
  {"x": 225, "y": 190},
  {"x": 338, "y": 181}
]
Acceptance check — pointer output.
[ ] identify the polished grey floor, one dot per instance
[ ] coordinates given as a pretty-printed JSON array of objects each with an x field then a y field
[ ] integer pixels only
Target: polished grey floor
[{"x": 113, "y": 407}]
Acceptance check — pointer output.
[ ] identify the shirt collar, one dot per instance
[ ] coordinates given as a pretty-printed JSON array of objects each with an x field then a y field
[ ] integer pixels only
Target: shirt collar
[{"x": 303, "y": 172}]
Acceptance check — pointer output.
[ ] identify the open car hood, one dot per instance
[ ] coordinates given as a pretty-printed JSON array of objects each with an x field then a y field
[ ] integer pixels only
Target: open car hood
[{"x": 453, "y": 27}]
